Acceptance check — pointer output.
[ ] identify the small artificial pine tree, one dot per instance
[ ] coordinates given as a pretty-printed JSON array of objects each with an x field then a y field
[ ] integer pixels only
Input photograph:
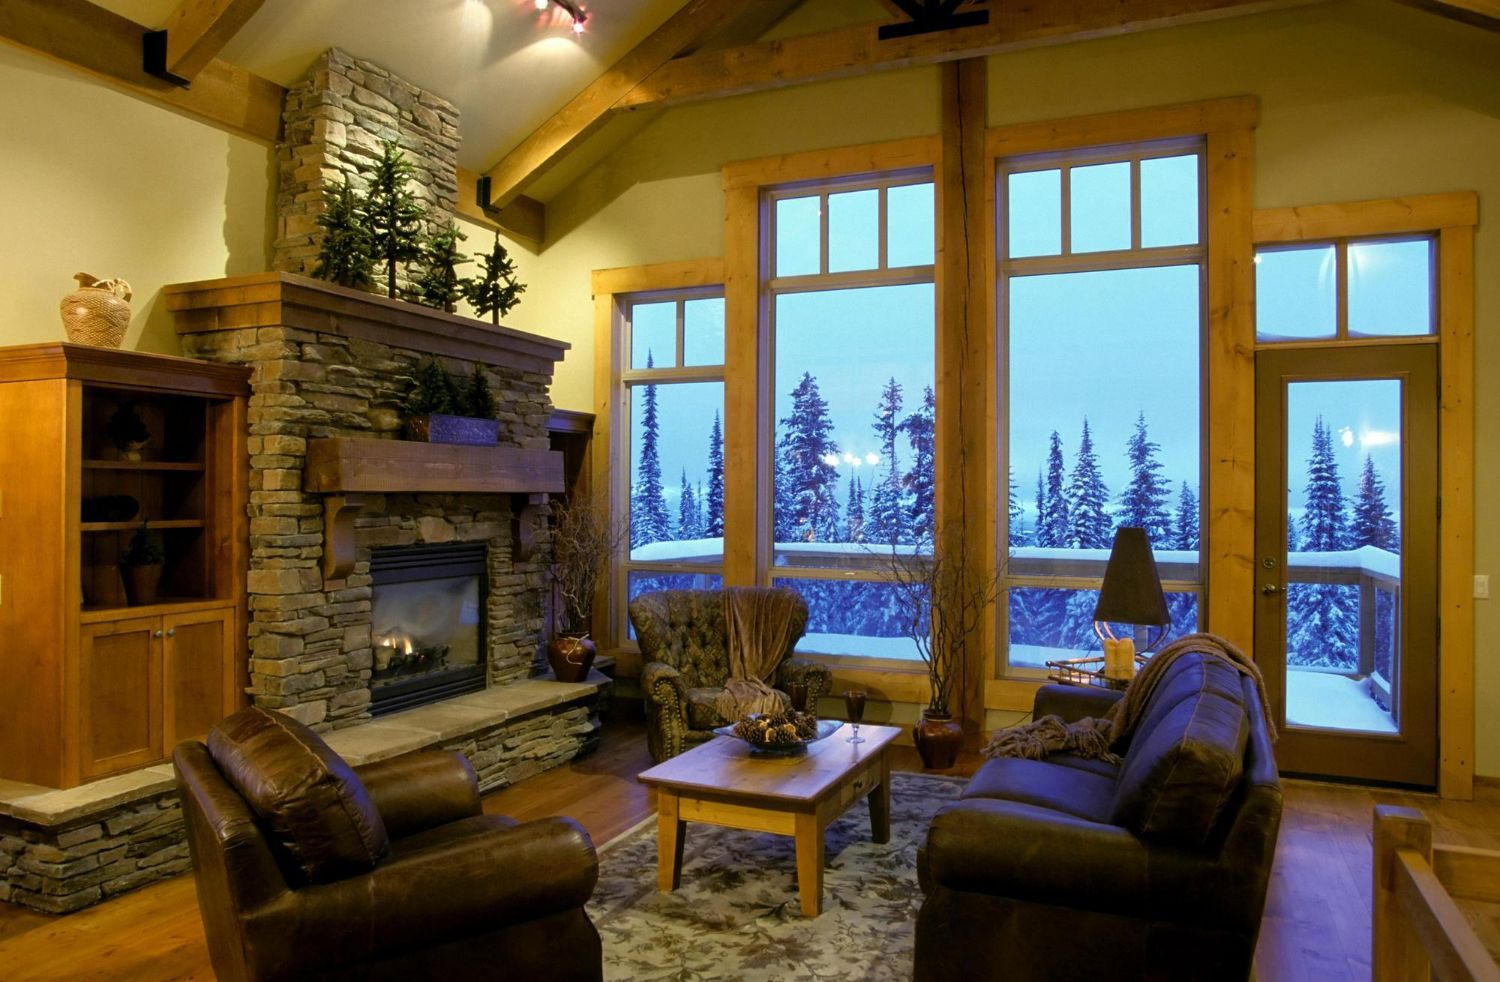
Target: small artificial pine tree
[
  {"x": 496, "y": 290},
  {"x": 438, "y": 284},
  {"x": 475, "y": 398},
  {"x": 394, "y": 213},
  {"x": 344, "y": 254},
  {"x": 432, "y": 390}
]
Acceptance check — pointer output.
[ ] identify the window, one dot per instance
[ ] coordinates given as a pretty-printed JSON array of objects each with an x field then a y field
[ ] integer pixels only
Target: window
[
  {"x": 849, "y": 284},
  {"x": 1348, "y": 288},
  {"x": 674, "y": 402},
  {"x": 1101, "y": 316}
]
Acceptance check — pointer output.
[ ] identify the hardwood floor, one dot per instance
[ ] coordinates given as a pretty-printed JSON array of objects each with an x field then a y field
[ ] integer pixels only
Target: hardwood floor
[{"x": 1317, "y": 923}]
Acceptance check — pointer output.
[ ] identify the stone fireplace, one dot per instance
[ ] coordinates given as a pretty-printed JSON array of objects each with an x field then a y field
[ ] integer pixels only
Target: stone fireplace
[{"x": 427, "y": 624}]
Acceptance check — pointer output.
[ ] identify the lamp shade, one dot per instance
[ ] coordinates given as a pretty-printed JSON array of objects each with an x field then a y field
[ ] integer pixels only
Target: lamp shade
[{"x": 1132, "y": 592}]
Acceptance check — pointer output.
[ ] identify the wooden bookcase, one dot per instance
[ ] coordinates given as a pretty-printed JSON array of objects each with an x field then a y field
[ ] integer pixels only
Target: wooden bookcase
[{"x": 94, "y": 686}]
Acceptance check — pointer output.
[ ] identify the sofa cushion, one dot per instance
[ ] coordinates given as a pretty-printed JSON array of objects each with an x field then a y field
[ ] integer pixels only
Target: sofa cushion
[
  {"x": 1069, "y": 790},
  {"x": 1091, "y": 764},
  {"x": 1187, "y": 755},
  {"x": 314, "y": 807}
]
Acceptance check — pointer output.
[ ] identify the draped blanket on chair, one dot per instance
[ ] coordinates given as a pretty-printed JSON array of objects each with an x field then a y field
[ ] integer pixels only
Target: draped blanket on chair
[{"x": 760, "y": 625}]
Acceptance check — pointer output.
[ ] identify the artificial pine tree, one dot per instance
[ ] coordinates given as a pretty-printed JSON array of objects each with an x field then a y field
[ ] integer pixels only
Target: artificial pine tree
[
  {"x": 1185, "y": 533},
  {"x": 1372, "y": 524},
  {"x": 432, "y": 390},
  {"x": 394, "y": 213},
  {"x": 496, "y": 290},
  {"x": 1088, "y": 522},
  {"x": 438, "y": 283},
  {"x": 475, "y": 397},
  {"x": 805, "y": 449},
  {"x": 687, "y": 510},
  {"x": 1144, "y": 502},
  {"x": 921, "y": 481},
  {"x": 1052, "y": 524},
  {"x": 648, "y": 504},
  {"x": 713, "y": 524},
  {"x": 855, "y": 512},
  {"x": 344, "y": 254},
  {"x": 887, "y": 521}
]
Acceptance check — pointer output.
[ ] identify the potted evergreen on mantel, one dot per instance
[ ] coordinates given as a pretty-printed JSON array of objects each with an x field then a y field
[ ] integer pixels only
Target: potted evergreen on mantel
[{"x": 439, "y": 410}]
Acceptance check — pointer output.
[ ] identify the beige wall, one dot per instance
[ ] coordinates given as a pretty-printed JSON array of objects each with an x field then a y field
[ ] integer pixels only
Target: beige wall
[{"x": 1360, "y": 100}]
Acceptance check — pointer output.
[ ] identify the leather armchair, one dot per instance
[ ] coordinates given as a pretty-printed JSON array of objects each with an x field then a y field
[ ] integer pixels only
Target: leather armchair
[
  {"x": 684, "y": 644},
  {"x": 447, "y": 889}
]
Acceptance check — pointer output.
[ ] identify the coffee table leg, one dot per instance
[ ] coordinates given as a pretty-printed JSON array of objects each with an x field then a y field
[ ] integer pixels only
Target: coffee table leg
[
  {"x": 669, "y": 839},
  {"x": 880, "y": 803},
  {"x": 810, "y": 864}
]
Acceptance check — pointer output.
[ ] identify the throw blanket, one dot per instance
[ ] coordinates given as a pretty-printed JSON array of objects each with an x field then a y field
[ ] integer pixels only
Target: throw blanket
[
  {"x": 759, "y": 628},
  {"x": 1100, "y": 737}
]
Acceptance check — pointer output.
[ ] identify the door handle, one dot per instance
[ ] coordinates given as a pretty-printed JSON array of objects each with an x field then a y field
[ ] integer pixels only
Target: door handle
[{"x": 1270, "y": 589}]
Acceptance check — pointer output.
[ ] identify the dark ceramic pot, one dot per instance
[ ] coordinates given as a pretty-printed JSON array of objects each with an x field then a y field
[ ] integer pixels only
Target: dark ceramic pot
[
  {"x": 141, "y": 584},
  {"x": 442, "y": 428},
  {"x": 571, "y": 655},
  {"x": 937, "y": 737}
]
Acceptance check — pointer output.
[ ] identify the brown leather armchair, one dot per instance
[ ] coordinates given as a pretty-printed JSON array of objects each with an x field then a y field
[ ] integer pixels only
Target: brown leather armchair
[{"x": 307, "y": 868}]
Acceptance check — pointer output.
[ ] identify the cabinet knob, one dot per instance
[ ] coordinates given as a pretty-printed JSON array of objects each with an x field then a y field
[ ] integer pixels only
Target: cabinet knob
[
  {"x": 156, "y": 634},
  {"x": 172, "y": 633}
]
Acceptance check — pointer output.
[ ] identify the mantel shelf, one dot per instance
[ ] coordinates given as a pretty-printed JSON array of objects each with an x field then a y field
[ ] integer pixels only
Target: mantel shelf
[
  {"x": 346, "y": 468},
  {"x": 343, "y": 465}
]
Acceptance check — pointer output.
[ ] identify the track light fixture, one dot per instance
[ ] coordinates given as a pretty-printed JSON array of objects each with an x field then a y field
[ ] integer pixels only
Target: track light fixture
[{"x": 577, "y": 13}]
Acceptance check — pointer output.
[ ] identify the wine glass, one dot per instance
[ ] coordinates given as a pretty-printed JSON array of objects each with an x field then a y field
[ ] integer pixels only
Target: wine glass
[{"x": 854, "y": 702}]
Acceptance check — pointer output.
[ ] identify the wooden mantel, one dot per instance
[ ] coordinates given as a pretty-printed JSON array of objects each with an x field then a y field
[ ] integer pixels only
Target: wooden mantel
[
  {"x": 289, "y": 300},
  {"x": 344, "y": 469}
]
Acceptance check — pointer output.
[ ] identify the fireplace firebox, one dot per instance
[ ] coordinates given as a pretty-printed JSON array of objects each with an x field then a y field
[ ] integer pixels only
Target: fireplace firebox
[{"x": 427, "y": 624}]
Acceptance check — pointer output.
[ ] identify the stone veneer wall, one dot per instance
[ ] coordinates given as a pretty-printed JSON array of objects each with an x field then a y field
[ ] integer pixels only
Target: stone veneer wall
[
  {"x": 310, "y": 645},
  {"x": 334, "y": 122}
]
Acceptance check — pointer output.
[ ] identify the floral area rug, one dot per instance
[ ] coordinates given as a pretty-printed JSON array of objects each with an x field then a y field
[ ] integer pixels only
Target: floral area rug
[{"x": 736, "y": 914}]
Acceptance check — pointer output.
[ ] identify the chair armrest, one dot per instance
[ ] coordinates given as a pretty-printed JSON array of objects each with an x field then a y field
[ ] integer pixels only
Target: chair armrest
[
  {"x": 1073, "y": 702},
  {"x": 810, "y": 673},
  {"x": 661, "y": 681},
  {"x": 420, "y": 791},
  {"x": 1037, "y": 855},
  {"x": 455, "y": 887}
]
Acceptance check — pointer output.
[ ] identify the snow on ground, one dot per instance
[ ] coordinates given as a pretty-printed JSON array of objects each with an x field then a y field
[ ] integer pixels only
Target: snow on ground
[
  {"x": 1334, "y": 701},
  {"x": 897, "y": 649}
]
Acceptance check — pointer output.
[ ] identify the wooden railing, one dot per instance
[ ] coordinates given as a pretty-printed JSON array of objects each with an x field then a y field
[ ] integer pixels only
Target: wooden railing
[{"x": 1418, "y": 930}]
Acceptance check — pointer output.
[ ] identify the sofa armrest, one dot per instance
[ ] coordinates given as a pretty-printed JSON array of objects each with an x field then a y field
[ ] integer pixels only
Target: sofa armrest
[
  {"x": 419, "y": 791},
  {"x": 1037, "y": 855},
  {"x": 663, "y": 683},
  {"x": 1073, "y": 702}
]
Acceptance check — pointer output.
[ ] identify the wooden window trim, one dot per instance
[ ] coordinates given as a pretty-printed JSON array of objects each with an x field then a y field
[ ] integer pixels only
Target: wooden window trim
[{"x": 1451, "y": 217}]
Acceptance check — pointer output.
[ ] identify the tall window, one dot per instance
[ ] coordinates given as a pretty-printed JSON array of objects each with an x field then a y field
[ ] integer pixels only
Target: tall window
[
  {"x": 849, "y": 285},
  {"x": 674, "y": 385},
  {"x": 1101, "y": 313}
]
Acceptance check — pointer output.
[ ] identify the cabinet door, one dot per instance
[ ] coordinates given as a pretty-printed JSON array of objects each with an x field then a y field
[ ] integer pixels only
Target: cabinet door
[
  {"x": 199, "y": 672},
  {"x": 119, "y": 669}
]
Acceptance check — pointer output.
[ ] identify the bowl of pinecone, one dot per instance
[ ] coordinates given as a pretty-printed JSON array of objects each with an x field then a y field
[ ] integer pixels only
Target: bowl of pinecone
[{"x": 780, "y": 734}]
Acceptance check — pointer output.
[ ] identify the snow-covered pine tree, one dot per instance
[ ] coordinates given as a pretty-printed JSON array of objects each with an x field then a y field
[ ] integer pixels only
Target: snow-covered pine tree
[
  {"x": 1052, "y": 524},
  {"x": 855, "y": 512},
  {"x": 1323, "y": 618},
  {"x": 1144, "y": 501},
  {"x": 649, "y": 521},
  {"x": 805, "y": 450},
  {"x": 713, "y": 521},
  {"x": 1373, "y": 524},
  {"x": 1088, "y": 522},
  {"x": 687, "y": 510},
  {"x": 921, "y": 481},
  {"x": 1015, "y": 534},
  {"x": 887, "y": 519},
  {"x": 1077, "y": 627},
  {"x": 1185, "y": 534}
]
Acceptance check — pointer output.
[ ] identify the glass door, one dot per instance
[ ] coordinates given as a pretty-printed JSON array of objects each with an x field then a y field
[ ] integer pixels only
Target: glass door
[{"x": 1346, "y": 558}]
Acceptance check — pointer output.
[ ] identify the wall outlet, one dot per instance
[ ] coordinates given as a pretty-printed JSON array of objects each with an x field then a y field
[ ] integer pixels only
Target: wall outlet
[{"x": 1481, "y": 586}]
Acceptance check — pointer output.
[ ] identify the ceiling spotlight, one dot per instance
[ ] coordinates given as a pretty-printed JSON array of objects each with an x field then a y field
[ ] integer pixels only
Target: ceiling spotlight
[
  {"x": 541, "y": 4},
  {"x": 574, "y": 11}
]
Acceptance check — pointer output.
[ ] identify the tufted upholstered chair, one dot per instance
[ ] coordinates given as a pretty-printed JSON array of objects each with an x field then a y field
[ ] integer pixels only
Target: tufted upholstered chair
[{"x": 683, "y": 642}]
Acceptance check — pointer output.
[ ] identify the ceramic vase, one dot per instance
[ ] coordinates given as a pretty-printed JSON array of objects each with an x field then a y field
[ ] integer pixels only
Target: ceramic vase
[
  {"x": 571, "y": 655},
  {"x": 937, "y": 736}
]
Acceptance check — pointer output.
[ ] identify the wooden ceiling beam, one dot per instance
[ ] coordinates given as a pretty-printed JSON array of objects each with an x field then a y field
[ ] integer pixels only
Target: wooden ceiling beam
[
  {"x": 104, "y": 44},
  {"x": 590, "y": 109},
  {"x": 524, "y": 218},
  {"x": 194, "y": 35},
  {"x": 1480, "y": 13},
  {"x": 857, "y": 50}
]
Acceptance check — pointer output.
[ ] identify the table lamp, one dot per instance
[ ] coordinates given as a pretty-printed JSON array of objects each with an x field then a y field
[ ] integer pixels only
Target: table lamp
[{"x": 1131, "y": 594}]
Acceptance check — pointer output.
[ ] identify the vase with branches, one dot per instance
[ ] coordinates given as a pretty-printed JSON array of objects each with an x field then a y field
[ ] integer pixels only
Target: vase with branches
[
  {"x": 941, "y": 601},
  {"x": 584, "y": 539}
]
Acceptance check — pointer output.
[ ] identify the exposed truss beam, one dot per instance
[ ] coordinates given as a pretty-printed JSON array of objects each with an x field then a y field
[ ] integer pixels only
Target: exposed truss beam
[
  {"x": 194, "y": 35},
  {"x": 857, "y": 50},
  {"x": 524, "y": 218},
  {"x": 108, "y": 46},
  {"x": 587, "y": 111},
  {"x": 1481, "y": 13}
]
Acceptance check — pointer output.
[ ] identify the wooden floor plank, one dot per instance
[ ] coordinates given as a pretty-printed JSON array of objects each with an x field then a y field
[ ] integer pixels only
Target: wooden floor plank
[{"x": 1316, "y": 925}]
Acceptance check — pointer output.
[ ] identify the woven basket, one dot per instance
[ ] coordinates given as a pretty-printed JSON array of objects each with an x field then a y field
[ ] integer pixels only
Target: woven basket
[{"x": 98, "y": 312}]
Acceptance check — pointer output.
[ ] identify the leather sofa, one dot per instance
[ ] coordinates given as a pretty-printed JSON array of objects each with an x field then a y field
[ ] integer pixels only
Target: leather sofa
[
  {"x": 307, "y": 868},
  {"x": 1072, "y": 868}
]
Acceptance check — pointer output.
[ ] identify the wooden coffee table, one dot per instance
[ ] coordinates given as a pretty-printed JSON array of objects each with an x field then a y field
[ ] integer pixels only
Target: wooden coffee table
[{"x": 722, "y": 783}]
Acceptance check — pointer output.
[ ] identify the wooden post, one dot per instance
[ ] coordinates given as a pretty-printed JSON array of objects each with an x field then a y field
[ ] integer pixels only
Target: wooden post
[
  {"x": 1366, "y": 625},
  {"x": 1396, "y": 953}
]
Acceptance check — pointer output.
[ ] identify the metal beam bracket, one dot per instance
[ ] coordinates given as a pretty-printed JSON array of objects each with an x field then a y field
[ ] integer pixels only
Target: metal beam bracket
[
  {"x": 931, "y": 16},
  {"x": 154, "y": 58}
]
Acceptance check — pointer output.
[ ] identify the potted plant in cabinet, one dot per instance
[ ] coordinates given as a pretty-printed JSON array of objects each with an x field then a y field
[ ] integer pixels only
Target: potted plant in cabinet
[
  {"x": 584, "y": 539},
  {"x": 141, "y": 566}
]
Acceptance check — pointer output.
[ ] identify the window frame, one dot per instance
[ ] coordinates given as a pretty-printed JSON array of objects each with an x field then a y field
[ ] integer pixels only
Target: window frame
[{"x": 1063, "y": 262}]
